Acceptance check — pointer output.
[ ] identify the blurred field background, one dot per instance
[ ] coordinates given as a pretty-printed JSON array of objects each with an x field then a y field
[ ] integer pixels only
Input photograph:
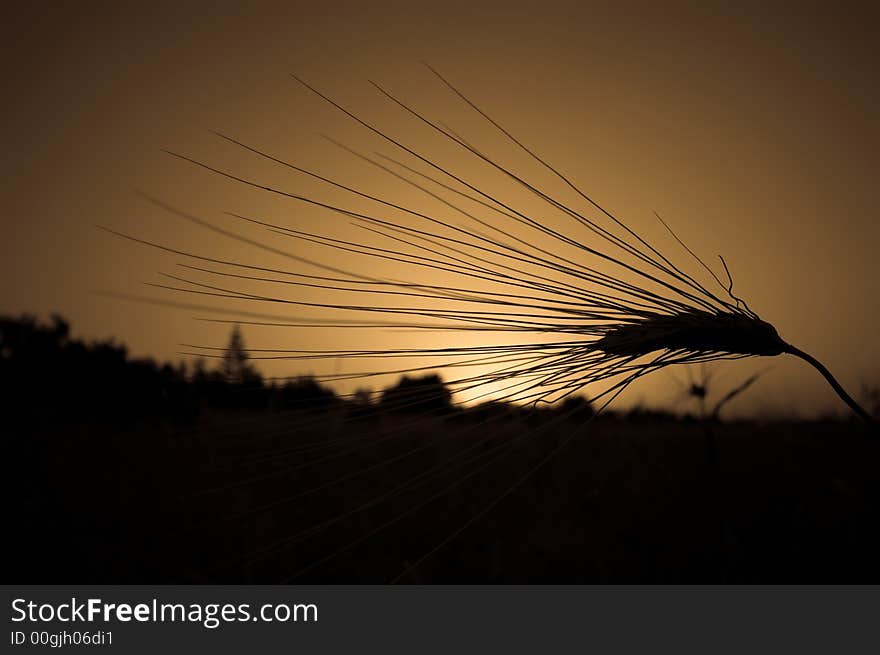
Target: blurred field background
[{"x": 141, "y": 477}]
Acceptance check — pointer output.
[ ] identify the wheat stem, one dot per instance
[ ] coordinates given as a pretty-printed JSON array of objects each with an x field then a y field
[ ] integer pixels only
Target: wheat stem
[{"x": 815, "y": 363}]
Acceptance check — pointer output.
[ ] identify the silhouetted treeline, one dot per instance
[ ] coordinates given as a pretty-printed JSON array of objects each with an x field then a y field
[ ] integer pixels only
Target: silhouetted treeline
[
  {"x": 43, "y": 368},
  {"x": 44, "y": 372}
]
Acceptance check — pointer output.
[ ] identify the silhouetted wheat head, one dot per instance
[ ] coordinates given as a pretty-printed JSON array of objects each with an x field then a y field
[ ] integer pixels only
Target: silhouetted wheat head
[{"x": 536, "y": 302}]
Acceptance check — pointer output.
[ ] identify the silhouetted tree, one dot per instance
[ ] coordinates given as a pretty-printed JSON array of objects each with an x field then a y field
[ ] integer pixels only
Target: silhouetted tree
[
  {"x": 426, "y": 394},
  {"x": 363, "y": 396},
  {"x": 361, "y": 405},
  {"x": 235, "y": 366},
  {"x": 303, "y": 393},
  {"x": 577, "y": 408}
]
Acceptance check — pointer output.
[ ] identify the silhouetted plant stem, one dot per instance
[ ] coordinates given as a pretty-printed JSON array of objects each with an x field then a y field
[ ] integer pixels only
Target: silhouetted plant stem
[{"x": 815, "y": 363}]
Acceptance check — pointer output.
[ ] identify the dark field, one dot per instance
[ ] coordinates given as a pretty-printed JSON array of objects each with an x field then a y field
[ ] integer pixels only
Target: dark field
[{"x": 356, "y": 495}]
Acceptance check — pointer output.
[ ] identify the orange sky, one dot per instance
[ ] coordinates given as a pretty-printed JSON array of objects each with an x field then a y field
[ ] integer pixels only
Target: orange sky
[{"x": 752, "y": 131}]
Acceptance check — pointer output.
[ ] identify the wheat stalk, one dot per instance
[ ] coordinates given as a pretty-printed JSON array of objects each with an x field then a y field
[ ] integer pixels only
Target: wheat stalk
[{"x": 602, "y": 306}]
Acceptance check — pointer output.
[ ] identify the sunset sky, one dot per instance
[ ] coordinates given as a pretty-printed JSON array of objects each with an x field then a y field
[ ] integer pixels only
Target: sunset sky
[{"x": 751, "y": 130}]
